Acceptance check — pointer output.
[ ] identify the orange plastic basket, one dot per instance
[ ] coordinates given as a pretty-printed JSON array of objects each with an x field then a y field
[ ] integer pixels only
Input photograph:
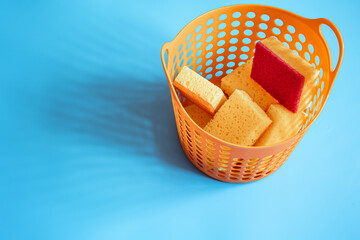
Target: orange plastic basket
[{"x": 219, "y": 41}]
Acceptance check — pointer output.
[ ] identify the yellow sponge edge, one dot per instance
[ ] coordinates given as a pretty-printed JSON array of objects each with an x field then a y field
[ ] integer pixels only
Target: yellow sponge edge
[{"x": 199, "y": 90}]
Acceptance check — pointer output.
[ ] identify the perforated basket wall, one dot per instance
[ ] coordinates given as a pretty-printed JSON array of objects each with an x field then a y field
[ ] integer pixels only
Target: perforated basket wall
[{"x": 217, "y": 42}]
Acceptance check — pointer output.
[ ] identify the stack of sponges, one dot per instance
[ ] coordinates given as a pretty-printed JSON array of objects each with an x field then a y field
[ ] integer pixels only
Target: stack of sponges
[
  {"x": 239, "y": 120},
  {"x": 240, "y": 79},
  {"x": 267, "y": 96}
]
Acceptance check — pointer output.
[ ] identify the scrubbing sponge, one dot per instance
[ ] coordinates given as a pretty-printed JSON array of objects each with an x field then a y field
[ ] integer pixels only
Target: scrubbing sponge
[
  {"x": 283, "y": 74},
  {"x": 198, "y": 90}
]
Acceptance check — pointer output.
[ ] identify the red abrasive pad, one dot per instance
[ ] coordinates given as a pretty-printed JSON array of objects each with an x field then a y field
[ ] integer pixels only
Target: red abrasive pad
[{"x": 283, "y": 82}]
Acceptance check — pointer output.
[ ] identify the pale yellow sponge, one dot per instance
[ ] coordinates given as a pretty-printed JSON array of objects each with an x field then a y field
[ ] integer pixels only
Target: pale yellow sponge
[
  {"x": 199, "y": 90},
  {"x": 299, "y": 64},
  {"x": 200, "y": 117},
  {"x": 240, "y": 79},
  {"x": 239, "y": 120},
  {"x": 285, "y": 125}
]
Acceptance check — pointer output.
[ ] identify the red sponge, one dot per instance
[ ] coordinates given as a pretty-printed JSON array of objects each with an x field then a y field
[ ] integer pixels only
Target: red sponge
[{"x": 283, "y": 82}]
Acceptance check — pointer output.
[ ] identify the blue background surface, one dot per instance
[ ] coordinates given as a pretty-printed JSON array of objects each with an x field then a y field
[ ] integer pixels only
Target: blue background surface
[{"x": 89, "y": 147}]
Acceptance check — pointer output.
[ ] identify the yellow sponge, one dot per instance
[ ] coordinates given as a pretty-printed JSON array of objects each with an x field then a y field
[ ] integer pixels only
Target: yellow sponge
[
  {"x": 199, "y": 116},
  {"x": 285, "y": 125},
  {"x": 240, "y": 79},
  {"x": 239, "y": 120},
  {"x": 199, "y": 90}
]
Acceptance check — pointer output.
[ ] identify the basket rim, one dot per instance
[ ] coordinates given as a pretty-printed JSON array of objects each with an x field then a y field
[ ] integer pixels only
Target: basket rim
[
  {"x": 239, "y": 5},
  {"x": 288, "y": 141}
]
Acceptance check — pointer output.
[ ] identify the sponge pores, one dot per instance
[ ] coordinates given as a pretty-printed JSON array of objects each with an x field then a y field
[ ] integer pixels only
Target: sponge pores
[
  {"x": 285, "y": 124},
  {"x": 239, "y": 120}
]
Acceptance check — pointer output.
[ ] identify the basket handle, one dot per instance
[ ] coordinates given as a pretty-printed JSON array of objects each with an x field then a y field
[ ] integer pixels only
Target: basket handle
[
  {"x": 316, "y": 24},
  {"x": 165, "y": 48}
]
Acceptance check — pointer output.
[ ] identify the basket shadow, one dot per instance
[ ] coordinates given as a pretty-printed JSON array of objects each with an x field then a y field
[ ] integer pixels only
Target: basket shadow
[{"x": 131, "y": 114}]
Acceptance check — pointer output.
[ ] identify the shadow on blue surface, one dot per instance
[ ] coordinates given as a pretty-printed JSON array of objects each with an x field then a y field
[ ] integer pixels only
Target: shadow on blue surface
[
  {"x": 129, "y": 114},
  {"x": 104, "y": 133},
  {"x": 110, "y": 93},
  {"x": 133, "y": 121}
]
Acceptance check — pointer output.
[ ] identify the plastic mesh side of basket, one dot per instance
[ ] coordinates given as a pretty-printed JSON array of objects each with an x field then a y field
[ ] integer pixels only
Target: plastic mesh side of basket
[{"x": 219, "y": 41}]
